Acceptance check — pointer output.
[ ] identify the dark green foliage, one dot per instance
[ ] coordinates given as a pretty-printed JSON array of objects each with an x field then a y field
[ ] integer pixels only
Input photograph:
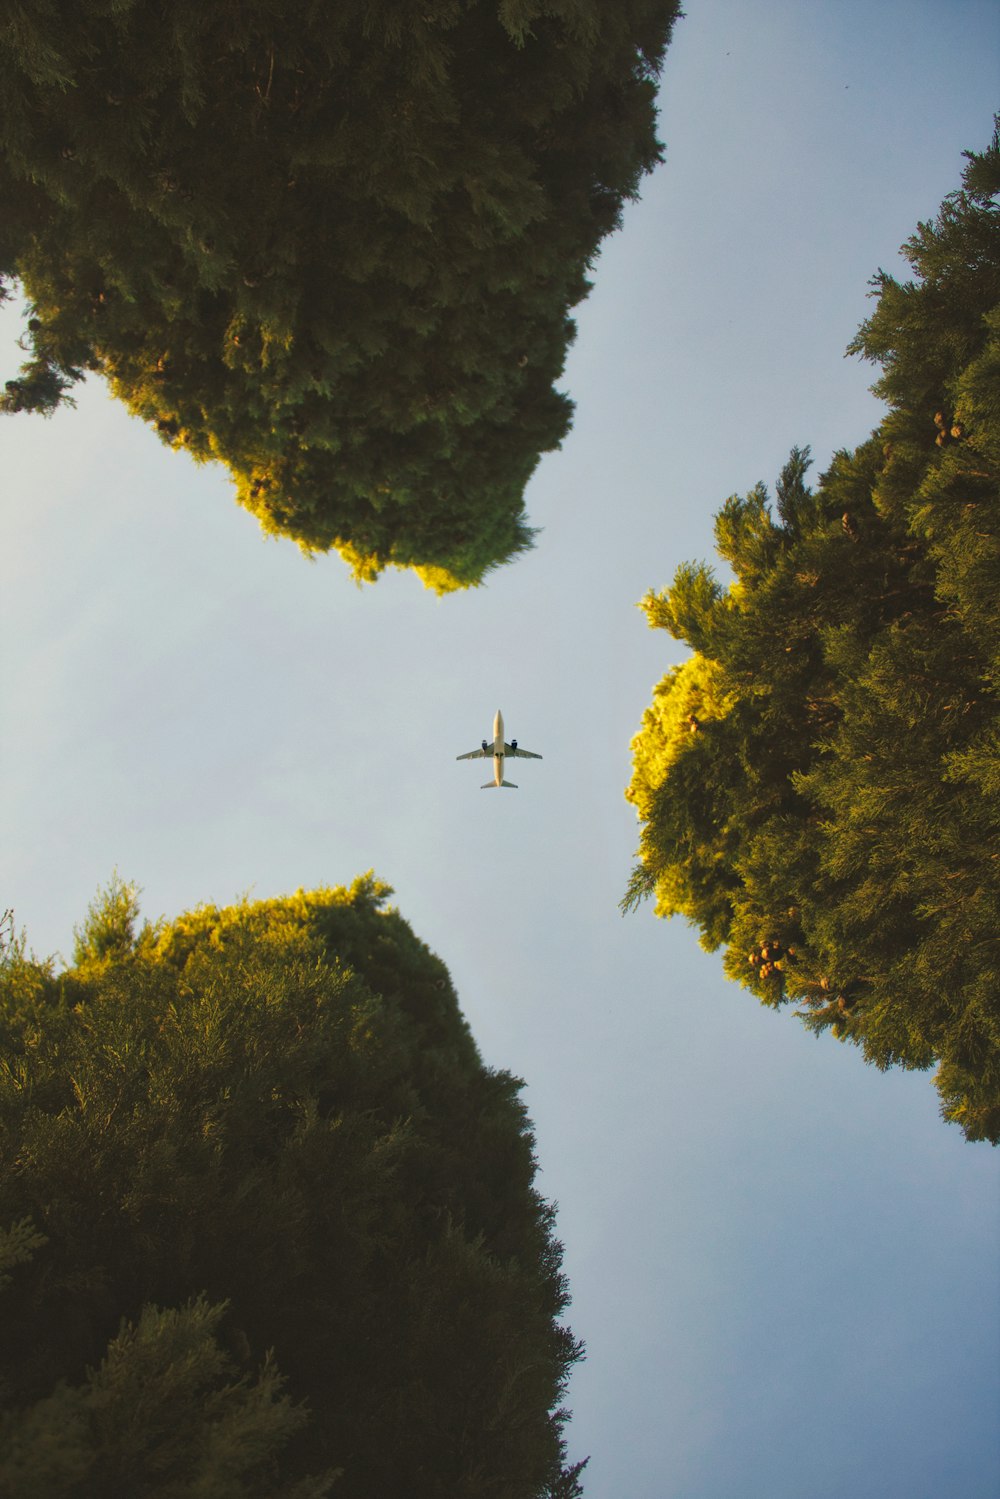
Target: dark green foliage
[
  {"x": 334, "y": 246},
  {"x": 271, "y": 1121},
  {"x": 819, "y": 786},
  {"x": 162, "y": 1416}
]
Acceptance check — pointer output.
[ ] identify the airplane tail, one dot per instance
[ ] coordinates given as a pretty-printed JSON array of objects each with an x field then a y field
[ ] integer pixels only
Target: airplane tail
[{"x": 487, "y": 784}]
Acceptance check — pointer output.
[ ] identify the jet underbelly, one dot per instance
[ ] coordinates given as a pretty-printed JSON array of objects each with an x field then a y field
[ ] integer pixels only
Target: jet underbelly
[{"x": 498, "y": 744}]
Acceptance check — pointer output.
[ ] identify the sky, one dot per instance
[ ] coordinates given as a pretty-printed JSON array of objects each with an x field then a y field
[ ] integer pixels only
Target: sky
[{"x": 785, "y": 1267}]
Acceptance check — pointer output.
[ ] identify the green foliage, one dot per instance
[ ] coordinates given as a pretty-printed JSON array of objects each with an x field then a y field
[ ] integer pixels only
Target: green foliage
[
  {"x": 272, "y": 1122},
  {"x": 17, "y": 1245},
  {"x": 109, "y": 931},
  {"x": 333, "y": 246},
  {"x": 819, "y": 786},
  {"x": 161, "y": 1416},
  {"x": 8, "y": 939}
]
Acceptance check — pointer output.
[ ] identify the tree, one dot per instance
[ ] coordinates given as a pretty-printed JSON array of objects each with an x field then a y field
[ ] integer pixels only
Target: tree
[
  {"x": 334, "y": 247},
  {"x": 819, "y": 785},
  {"x": 161, "y": 1416},
  {"x": 259, "y": 1139}
]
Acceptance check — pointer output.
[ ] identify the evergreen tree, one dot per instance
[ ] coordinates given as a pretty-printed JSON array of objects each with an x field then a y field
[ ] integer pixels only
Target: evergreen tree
[
  {"x": 333, "y": 246},
  {"x": 161, "y": 1416},
  {"x": 819, "y": 785},
  {"x": 260, "y": 1139}
]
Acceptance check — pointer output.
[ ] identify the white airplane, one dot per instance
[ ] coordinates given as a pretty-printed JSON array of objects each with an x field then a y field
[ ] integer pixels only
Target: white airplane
[{"x": 500, "y": 750}]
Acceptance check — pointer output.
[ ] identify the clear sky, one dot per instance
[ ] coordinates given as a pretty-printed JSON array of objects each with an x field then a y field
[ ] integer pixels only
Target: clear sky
[{"x": 784, "y": 1265}]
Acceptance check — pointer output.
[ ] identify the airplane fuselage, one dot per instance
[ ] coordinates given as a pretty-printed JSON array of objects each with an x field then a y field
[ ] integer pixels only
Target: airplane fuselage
[{"x": 498, "y": 749}]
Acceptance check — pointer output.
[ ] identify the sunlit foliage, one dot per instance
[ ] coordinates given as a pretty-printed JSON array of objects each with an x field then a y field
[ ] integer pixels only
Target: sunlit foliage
[
  {"x": 819, "y": 786},
  {"x": 333, "y": 246},
  {"x": 254, "y": 1140}
]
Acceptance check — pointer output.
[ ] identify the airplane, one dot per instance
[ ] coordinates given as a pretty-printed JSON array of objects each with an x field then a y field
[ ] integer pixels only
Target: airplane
[{"x": 500, "y": 750}]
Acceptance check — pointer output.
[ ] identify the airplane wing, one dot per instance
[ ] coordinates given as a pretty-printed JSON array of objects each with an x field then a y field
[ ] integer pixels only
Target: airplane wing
[
  {"x": 515, "y": 751},
  {"x": 479, "y": 754}
]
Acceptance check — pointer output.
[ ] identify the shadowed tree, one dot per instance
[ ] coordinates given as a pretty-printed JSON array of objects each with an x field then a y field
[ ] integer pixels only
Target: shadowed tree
[
  {"x": 261, "y": 1139},
  {"x": 819, "y": 785},
  {"x": 161, "y": 1416},
  {"x": 333, "y": 246}
]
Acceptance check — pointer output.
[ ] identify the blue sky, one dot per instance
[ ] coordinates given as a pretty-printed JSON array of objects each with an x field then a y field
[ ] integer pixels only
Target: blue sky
[{"x": 784, "y": 1265}]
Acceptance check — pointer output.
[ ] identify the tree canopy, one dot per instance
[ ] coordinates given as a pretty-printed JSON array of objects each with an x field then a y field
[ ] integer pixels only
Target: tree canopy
[
  {"x": 819, "y": 784},
  {"x": 333, "y": 246},
  {"x": 267, "y": 1222}
]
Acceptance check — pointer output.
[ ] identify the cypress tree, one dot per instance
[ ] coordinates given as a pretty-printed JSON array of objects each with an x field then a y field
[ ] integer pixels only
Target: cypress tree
[
  {"x": 818, "y": 786},
  {"x": 261, "y": 1139},
  {"x": 334, "y": 247}
]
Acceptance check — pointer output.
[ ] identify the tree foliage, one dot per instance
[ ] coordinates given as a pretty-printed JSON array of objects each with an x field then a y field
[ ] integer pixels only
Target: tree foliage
[
  {"x": 333, "y": 246},
  {"x": 819, "y": 785},
  {"x": 162, "y": 1415},
  {"x": 254, "y": 1140}
]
